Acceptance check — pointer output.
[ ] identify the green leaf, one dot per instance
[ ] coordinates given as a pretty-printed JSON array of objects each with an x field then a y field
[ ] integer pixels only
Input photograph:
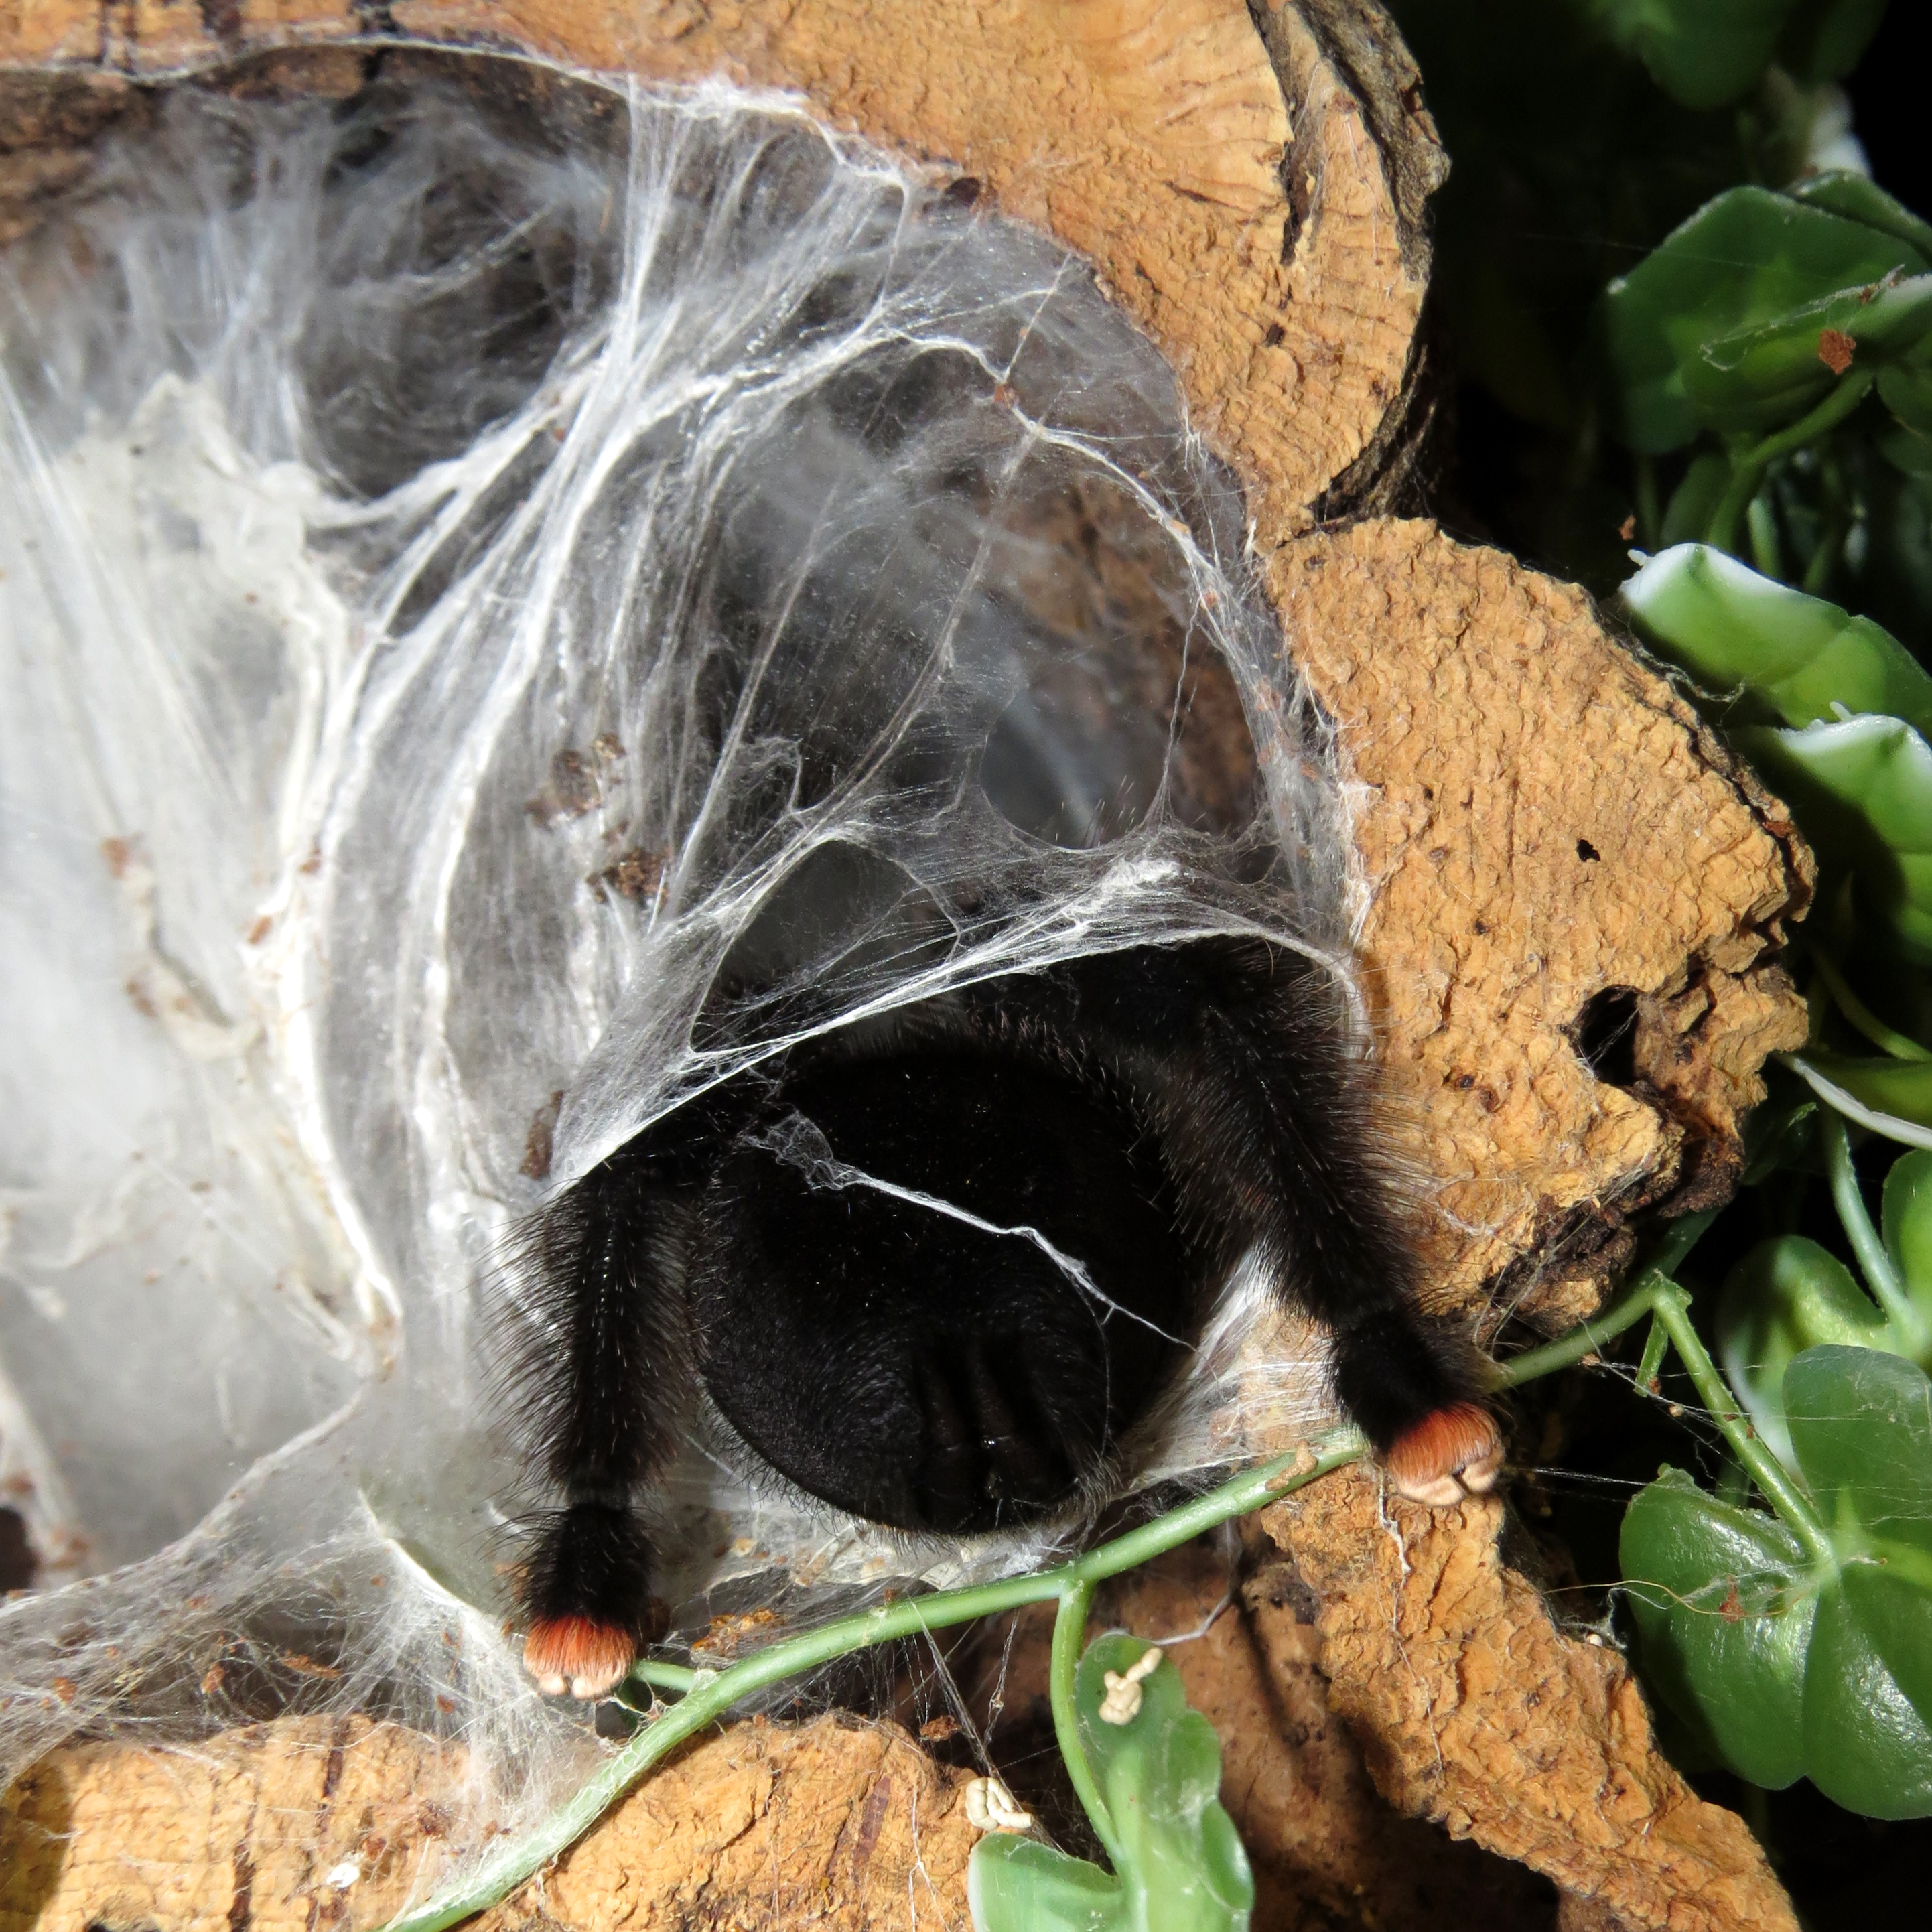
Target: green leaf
[
  {"x": 1733, "y": 1613},
  {"x": 1757, "y": 379},
  {"x": 1896, "y": 1614},
  {"x": 1745, "y": 260},
  {"x": 1159, "y": 1774},
  {"x": 1728, "y": 626},
  {"x": 1782, "y": 1130},
  {"x": 1688, "y": 515},
  {"x": 1018, "y": 1885},
  {"x": 1724, "y": 1618},
  {"x": 1859, "y": 198},
  {"x": 1702, "y": 53},
  {"x": 1861, "y": 788},
  {"x": 1862, "y": 1425},
  {"x": 1861, "y": 1422},
  {"x": 1906, "y": 1221},
  {"x": 1892, "y": 1097},
  {"x": 1785, "y": 1296},
  {"x": 1867, "y": 1746},
  {"x": 1907, "y": 391},
  {"x": 1181, "y": 1862},
  {"x": 1823, "y": 39},
  {"x": 1862, "y": 791}
]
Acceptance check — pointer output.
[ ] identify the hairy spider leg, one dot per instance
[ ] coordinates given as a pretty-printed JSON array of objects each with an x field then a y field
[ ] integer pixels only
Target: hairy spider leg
[
  {"x": 1267, "y": 1116},
  {"x": 597, "y": 1385}
]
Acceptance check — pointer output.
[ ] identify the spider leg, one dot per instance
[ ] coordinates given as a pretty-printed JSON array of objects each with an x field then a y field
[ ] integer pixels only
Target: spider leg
[
  {"x": 1268, "y": 1119},
  {"x": 599, "y": 1384}
]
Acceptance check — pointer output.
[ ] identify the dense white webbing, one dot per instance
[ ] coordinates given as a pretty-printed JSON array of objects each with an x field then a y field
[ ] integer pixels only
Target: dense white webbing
[{"x": 496, "y": 637}]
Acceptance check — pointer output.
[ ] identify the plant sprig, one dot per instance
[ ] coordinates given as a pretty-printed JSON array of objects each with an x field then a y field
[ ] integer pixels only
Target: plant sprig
[{"x": 707, "y": 1697}]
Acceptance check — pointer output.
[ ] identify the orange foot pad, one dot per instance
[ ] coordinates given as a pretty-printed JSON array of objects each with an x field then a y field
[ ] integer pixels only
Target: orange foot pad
[
  {"x": 1451, "y": 1453},
  {"x": 573, "y": 1653}
]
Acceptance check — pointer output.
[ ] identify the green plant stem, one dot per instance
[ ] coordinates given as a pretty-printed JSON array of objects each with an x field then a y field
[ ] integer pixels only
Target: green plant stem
[
  {"x": 1747, "y": 466},
  {"x": 1761, "y": 520},
  {"x": 708, "y": 1697},
  {"x": 1069, "y": 1639},
  {"x": 1655, "y": 1294},
  {"x": 1733, "y": 1485},
  {"x": 1824, "y": 559},
  {"x": 1651, "y": 1361},
  {"x": 1649, "y": 520},
  {"x": 1672, "y": 1304},
  {"x": 1886, "y": 1038},
  {"x": 1881, "y": 1277},
  {"x": 666, "y": 1676},
  {"x": 1588, "y": 1338}
]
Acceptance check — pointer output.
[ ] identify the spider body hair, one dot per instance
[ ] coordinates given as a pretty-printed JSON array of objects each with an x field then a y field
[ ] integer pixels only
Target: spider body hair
[{"x": 933, "y": 1268}]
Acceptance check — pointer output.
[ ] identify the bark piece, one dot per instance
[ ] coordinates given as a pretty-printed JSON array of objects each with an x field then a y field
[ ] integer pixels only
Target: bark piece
[
  {"x": 837, "y": 1822},
  {"x": 1327, "y": 1851},
  {"x": 309, "y": 1823},
  {"x": 1475, "y": 1710},
  {"x": 1246, "y": 217},
  {"x": 1544, "y": 824},
  {"x": 275, "y": 1828}
]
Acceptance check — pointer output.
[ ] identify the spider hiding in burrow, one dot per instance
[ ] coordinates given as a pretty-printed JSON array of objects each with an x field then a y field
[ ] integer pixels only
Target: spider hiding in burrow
[{"x": 934, "y": 1267}]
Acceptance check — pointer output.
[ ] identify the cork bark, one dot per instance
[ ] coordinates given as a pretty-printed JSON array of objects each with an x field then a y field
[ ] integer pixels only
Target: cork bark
[
  {"x": 1560, "y": 867},
  {"x": 1476, "y": 1711},
  {"x": 309, "y": 1823}
]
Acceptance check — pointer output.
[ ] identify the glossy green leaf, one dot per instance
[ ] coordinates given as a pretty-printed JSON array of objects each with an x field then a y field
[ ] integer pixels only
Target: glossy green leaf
[
  {"x": 1907, "y": 391},
  {"x": 1861, "y": 792},
  {"x": 1756, "y": 379},
  {"x": 1702, "y": 53},
  {"x": 1724, "y": 1618},
  {"x": 1822, "y": 39},
  {"x": 1892, "y": 1097},
  {"x": 1861, "y": 1423},
  {"x": 1782, "y": 1131},
  {"x": 1733, "y": 1612},
  {"x": 1906, "y": 1221},
  {"x": 1728, "y": 626},
  {"x": 1747, "y": 260},
  {"x": 1181, "y": 1862},
  {"x": 1896, "y": 1613},
  {"x": 1859, "y": 198},
  {"x": 1785, "y": 1296},
  {"x": 1018, "y": 1885},
  {"x": 1867, "y": 1747}
]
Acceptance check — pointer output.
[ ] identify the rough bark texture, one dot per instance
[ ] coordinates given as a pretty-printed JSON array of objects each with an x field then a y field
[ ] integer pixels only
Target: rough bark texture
[
  {"x": 1545, "y": 824},
  {"x": 1475, "y": 1710},
  {"x": 1561, "y": 867},
  {"x": 311, "y": 1823},
  {"x": 1241, "y": 216},
  {"x": 1328, "y": 1852}
]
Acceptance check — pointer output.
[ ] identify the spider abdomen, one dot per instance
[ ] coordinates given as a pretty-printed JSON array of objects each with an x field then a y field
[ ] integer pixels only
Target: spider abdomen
[{"x": 940, "y": 1289}]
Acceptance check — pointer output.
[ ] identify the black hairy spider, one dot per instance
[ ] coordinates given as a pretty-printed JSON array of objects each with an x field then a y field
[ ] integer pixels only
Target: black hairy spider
[{"x": 934, "y": 1267}]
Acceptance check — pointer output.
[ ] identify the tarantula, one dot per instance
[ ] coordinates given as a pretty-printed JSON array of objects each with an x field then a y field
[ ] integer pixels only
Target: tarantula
[{"x": 933, "y": 1268}]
